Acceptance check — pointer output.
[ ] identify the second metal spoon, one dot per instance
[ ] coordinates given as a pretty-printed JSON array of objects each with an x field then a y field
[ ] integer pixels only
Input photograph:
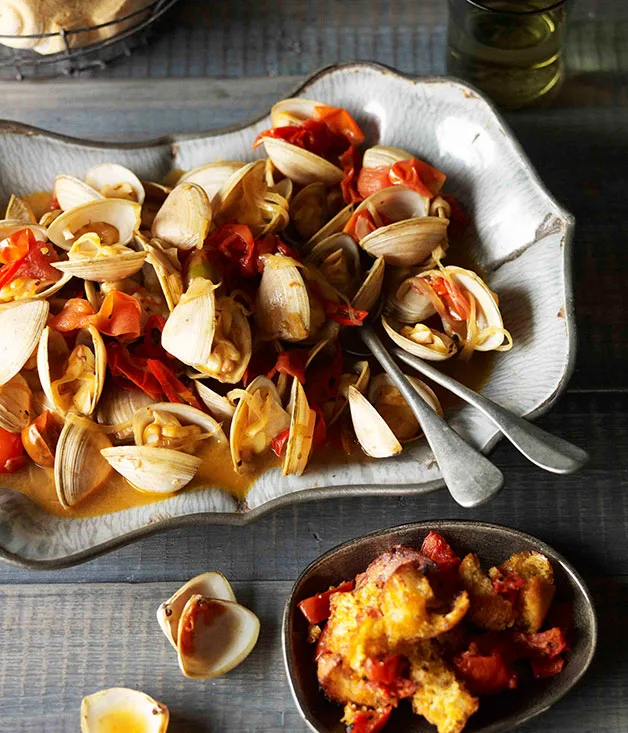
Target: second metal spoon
[
  {"x": 542, "y": 448},
  {"x": 470, "y": 477}
]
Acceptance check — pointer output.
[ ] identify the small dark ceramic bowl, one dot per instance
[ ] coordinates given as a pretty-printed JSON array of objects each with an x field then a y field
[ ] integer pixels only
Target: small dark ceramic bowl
[{"x": 493, "y": 544}]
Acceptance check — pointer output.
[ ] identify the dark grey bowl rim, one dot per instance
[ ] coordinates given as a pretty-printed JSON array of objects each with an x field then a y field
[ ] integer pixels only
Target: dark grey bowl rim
[
  {"x": 330, "y": 492},
  {"x": 444, "y": 526}
]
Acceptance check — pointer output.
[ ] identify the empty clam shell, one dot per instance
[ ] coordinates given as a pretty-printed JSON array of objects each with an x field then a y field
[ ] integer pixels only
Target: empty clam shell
[
  {"x": 21, "y": 326},
  {"x": 71, "y": 192},
  {"x": 393, "y": 408},
  {"x": 375, "y": 437},
  {"x": 300, "y": 165},
  {"x": 212, "y": 176},
  {"x": 210, "y": 585},
  {"x": 427, "y": 344},
  {"x": 115, "y": 181},
  {"x": 20, "y": 210},
  {"x": 189, "y": 331},
  {"x": 302, "y": 422},
  {"x": 214, "y": 636},
  {"x": 219, "y": 406},
  {"x": 409, "y": 301},
  {"x": 407, "y": 242},
  {"x": 184, "y": 218},
  {"x": 111, "y": 219},
  {"x": 154, "y": 470},
  {"x": 79, "y": 468},
  {"x": 122, "y": 709},
  {"x": 15, "y": 404},
  {"x": 292, "y": 111}
]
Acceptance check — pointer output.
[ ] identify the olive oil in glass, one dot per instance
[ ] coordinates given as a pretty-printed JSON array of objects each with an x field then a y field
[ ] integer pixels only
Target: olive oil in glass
[{"x": 511, "y": 49}]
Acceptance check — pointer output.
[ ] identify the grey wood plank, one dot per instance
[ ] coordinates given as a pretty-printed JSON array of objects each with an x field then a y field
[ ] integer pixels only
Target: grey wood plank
[
  {"x": 584, "y": 516},
  {"x": 60, "y": 642}
]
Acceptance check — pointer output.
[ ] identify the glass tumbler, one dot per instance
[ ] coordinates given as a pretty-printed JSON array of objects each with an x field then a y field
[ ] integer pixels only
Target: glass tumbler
[{"x": 511, "y": 49}]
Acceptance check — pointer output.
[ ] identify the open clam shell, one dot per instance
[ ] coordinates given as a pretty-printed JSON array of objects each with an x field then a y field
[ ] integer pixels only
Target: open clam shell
[
  {"x": 409, "y": 301},
  {"x": 219, "y": 406},
  {"x": 210, "y": 585},
  {"x": 165, "y": 263},
  {"x": 369, "y": 291},
  {"x": 114, "y": 181},
  {"x": 302, "y": 422},
  {"x": 214, "y": 636},
  {"x": 72, "y": 380},
  {"x": 427, "y": 343},
  {"x": 88, "y": 260},
  {"x": 186, "y": 414},
  {"x": 119, "y": 708},
  {"x": 379, "y": 156},
  {"x": 11, "y": 226},
  {"x": 184, "y": 218},
  {"x": 19, "y": 210},
  {"x": 333, "y": 226},
  {"x": 292, "y": 111},
  {"x": 79, "y": 468},
  {"x": 153, "y": 470},
  {"x": 374, "y": 436},
  {"x": 211, "y": 177},
  {"x": 301, "y": 166},
  {"x": 21, "y": 326},
  {"x": 392, "y": 407},
  {"x": 15, "y": 404},
  {"x": 282, "y": 306},
  {"x": 117, "y": 407},
  {"x": 111, "y": 219},
  {"x": 232, "y": 344},
  {"x": 338, "y": 260},
  {"x": 71, "y": 192},
  {"x": 258, "y": 418},
  {"x": 310, "y": 210},
  {"x": 359, "y": 378}
]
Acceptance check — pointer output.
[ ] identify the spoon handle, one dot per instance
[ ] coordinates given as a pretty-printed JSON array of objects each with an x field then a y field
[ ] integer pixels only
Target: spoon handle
[
  {"x": 470, "y": 477},
  {"x": 542, "y": 448}
]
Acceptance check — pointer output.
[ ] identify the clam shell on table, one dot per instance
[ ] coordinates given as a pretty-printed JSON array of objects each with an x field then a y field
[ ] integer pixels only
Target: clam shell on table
[
  {"x": 15, "y": 404},
  {"x": 115, "y": 219},
  {"x": 374, "y": 436},
  {"x": 153, "y": 470},
  {"x": 21, "y": 326},
  {"x": 214, "y": 636},
  {"x": 79, "y": 468},
  {"x": 184, "y": 219},
  {"x": 433, "y": 345},
  {"x": 210, "y": 585},
  {"x": 71, "y": 192},
  {"x": 101, "y": 710},
  {"x": 115, "y": 181}
]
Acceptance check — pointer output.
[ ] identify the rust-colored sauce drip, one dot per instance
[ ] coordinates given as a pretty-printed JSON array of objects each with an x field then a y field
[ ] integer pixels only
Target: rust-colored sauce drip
[{"x": 205, "y": 609}]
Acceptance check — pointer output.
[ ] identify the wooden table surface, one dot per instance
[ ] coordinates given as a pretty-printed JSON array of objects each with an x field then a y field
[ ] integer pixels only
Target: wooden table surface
[{"x": 68, "y": 633}]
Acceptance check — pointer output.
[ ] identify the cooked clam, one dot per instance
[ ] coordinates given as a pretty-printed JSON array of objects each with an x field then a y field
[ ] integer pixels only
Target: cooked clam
[
  {"x": 117, "y": 407},
  {"x": 300, "y": 165},
  {"x": 369, "y": 291},
  {"x": 91, "y": 260},
  {"x": 338, "y": 260},
  {"x": 72, "y": 380},
  {"x": 165, "y": 263},
  {"x": 15, "y": 404},
  {"x": 174, "y": 426},
  {"x": 373, "y": 433},
  {"x": 335, "y": 225},
  {"x": 421, "y": 340},
  {"x": 78, "y": 466},
  {"x": 19, "y": 210},
  {"x": 214, "y": 636},
  {"x": 153, "y": 470},
  {"x": 219, "y": 406},
  {"x": 258, "y": 419},
  {"x": 282, "y": 309},
  {"x": 211, "y": 177},
  {"x": 312, "y": 208},
  {"x": 301, "y": 435},
  {"x": 71, "y": 192},
  {"x": 210, "y": 585},
  {"x": 184, "y": 218},
  {"x": 124, "y": 710},
  {"x": 114, "y": 181},
  {"x": 393, "y": 408},
  {"x": 359, "y": 378},
  {"x": 113, "y": 220},
  {"x": 21, "y": 326},
  {"x": 411, "y": 300}
]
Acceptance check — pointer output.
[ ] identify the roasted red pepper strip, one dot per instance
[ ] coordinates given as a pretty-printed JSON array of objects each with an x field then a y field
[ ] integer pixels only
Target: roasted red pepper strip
[
  {"x": 174, "y": 389},
  {"x": 338, "y": 120},
  {"x": 411, "y": 173},
  {"x": 452, "y": 297},
  {"x": 360, "y": 225},
  {"x": 119, "y": 315},
  {"x": 16, "y": 246},
  {"x": 11, "y": 452},
  {"x": 311, "y": 135},
  {"x": 35, "y": 264},
  {"x": 135, "y": 369},
  {"x": 370, "y": 721},
  {"x": 75, "y": 314},
  {"x": 342, "y": 313},
  {"x": 278, "y": 443},
  {"x": 153, "y": 349},
  {"x": 350, "y": 161},
  {"x": 316, "y": 608}
]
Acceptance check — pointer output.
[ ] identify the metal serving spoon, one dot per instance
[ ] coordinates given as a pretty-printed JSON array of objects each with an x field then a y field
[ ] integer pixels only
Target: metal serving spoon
[
  {"x": 470, "y": 477},
  {"x": 542, "y": 448}
]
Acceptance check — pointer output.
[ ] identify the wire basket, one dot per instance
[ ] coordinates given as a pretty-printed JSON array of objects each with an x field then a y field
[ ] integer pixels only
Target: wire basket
[{"x": 20, "y": 63}]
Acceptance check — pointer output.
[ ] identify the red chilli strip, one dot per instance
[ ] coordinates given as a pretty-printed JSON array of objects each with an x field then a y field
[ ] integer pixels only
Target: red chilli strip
[
  {"x": 342, "y": 313},
  {"x": 151, "y": 348},
  {"x": 122, "y": 364},
  {"x": 174, "y": 389},
  {"x": 351, "y": 161},
  {"x": 278, "y": 443}
]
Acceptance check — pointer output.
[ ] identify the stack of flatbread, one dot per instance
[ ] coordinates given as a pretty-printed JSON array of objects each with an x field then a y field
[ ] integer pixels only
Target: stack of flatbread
[{"x": 21, "y": 18}]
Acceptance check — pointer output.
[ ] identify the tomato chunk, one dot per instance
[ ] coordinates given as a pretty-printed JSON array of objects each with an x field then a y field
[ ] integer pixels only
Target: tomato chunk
[
  {"x": 316, "y": 608},
  {"x": 484, "y": 674},
  {"x": 40, "y": 439},
  {"x": 369, "y": 721},
  {"x": 437, "y": 549},
  {"x": 11, "y": 452},
  {"x": 385, "y": 670}
]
